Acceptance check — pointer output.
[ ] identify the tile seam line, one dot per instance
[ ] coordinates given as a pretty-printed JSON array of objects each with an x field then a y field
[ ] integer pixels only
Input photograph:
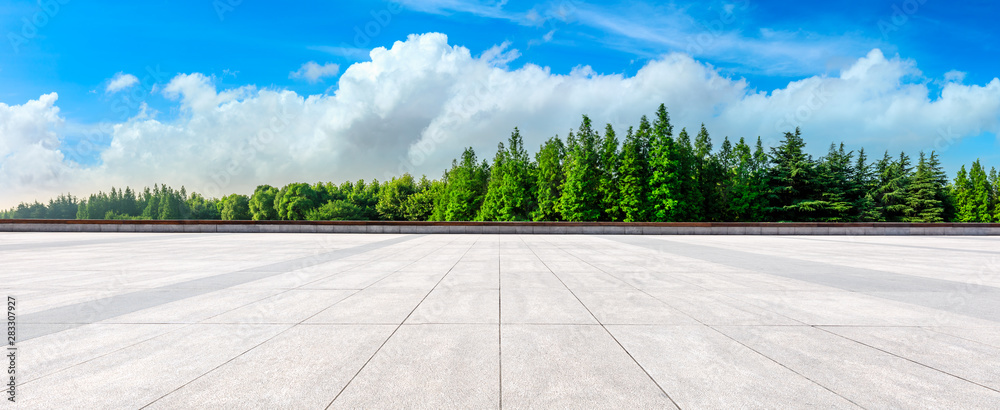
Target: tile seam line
[
  {"x": 725, "y": 335},
  {"x": 186, "y": 325},
  {"x": 290, "y": 327},
  {"x": 657, "y": 384},
  {"x": 932, "y": 329},
  {"x": 384, "y": 342},
  {"x": 500, "y": 318},
  {"x": 908, "y": 359}
]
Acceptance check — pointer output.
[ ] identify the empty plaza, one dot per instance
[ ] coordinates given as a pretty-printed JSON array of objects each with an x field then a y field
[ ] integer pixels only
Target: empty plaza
[{"x": 200, "y": 320}]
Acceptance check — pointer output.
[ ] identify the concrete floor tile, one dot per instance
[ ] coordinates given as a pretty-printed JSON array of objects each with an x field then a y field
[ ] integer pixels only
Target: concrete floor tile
[
  {"x": 542, "y": 306},
  {"x": 863, "y": 375},
  {"x": 565, "y": 366},
  {"x": 702, "y": 368},
  {"x": 632, "y": 307},
  {"x": 135, "y": 376},
  {"x": 458, "y": 306},
  {"x": 372, "y": 306},
  {"x": 290, "y": 307},
  {"x": 304, "y": 367},
  {"x": 969, "y": 360},
  {"x": 432, "y": 367}
]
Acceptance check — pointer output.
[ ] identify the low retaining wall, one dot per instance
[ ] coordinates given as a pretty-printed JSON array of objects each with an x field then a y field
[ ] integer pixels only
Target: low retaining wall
[{"x": 587, "y": 228}]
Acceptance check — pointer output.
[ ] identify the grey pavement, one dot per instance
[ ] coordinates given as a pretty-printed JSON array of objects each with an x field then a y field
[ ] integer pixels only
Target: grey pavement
[{"x": 159, "y": 320}]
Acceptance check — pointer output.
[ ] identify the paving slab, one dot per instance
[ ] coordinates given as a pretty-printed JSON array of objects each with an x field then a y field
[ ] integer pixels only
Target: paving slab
[
  {"x": 566, "y": 366},
  {"x": 431, "y": 366},
  {"x": 304, "y": 367},
  {"x": 867, "y": 377},
  {"x": 703, "y": 368}
]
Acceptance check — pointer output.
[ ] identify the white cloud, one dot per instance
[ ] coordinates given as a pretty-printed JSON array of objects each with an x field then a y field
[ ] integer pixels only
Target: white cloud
[
  {"x": 120, "y": 82},
  {"x": 414, "y": 106},
  {"x": 31, "y": 165},
  {"x": 313, "y": 72}
]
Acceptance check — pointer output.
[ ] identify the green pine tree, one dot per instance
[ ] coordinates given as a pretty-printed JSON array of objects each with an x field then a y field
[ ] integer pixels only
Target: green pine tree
[
  {"x": 466, "y": 188},
  {"x": 581, "y": 199},
  {"x": 633, "y": 175},
  {"x": 608, "y": 169},
  {"x": 664, "y": 181},
  {"x": 549, "y": 178}
]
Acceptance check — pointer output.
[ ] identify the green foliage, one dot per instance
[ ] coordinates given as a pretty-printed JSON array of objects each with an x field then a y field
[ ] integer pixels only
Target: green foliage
[
  {"x": 633, "y": 174},
  {"x": 295, "y": 200},
  {"x": 394, "y": 196},
  {"x": 581, "y": 200},
  {"x": 420, "y": 205},
  {"x": 664, "y": 178},
  {"x": 262, "y": 203},
  {"x": 607, "y": 167},
  {"x": 710, "y": 178},
  {"x": 465, "y": 188},
  {"x": 337, "y": 210},
  {"x": 926, "y": 191},
  {"x": 974, "y": 195},
  {"x": 688, "y": 197},
  {"x": 234, "y": 207},
  {"x": 836, "y": 189},
  {"x": 791, "y": 181},
  {"x": 510, "y": 190},
  {"x": 549, "y": 179},
  {"x": 201, "y": 208}
]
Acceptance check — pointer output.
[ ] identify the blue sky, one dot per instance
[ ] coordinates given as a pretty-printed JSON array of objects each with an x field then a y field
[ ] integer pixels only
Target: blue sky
[{"x": 76, "y": 49}]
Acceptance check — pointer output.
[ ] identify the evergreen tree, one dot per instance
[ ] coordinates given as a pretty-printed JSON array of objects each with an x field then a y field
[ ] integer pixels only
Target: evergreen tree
[
  {"x": 466, "y": 188},
  {"x": 581, "y": 200},
  {"x": 923, "y": 199},
  {"x": 976, "y": 207},
  {"x": 835, "y": 185},
  {"x": 608, "y": 168},
  {"x": 509, "y": 195},
  {"x": 865, "y": 207},
  {"x": 893, "y": 190},
  {"x": 962, "y": 192},
  {"x": 549, "y": 179},
  {"x": 790, "y": 180},
  {"x": 170, "y": 204},
  {"x": 633, "y": 174},
  {"x": 995, "y": 184},
  {"x": 664, "y": 181},
  {"x": 689, "y": 197},
  {"x": 711, "y": 178}
]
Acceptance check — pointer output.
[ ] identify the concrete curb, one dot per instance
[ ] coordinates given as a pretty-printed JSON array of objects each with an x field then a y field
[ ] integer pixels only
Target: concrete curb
[{"x": 531, "y": 228}]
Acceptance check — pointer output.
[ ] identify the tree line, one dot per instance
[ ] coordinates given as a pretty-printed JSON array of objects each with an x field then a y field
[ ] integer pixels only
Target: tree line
[{"x": 652, "y": 175}]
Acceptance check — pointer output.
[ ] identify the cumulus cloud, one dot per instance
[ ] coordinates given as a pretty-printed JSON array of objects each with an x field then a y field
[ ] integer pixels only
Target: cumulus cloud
[
  {"x": 413, "y": 106},
  {"x": 120, "y": 82},
  {"x": 31, "y": 164},
  {"x": 313, "y": 72}
]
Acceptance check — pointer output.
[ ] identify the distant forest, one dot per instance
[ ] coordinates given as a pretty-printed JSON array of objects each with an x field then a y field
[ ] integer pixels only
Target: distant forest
[{"x": 654, "y": 175}]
